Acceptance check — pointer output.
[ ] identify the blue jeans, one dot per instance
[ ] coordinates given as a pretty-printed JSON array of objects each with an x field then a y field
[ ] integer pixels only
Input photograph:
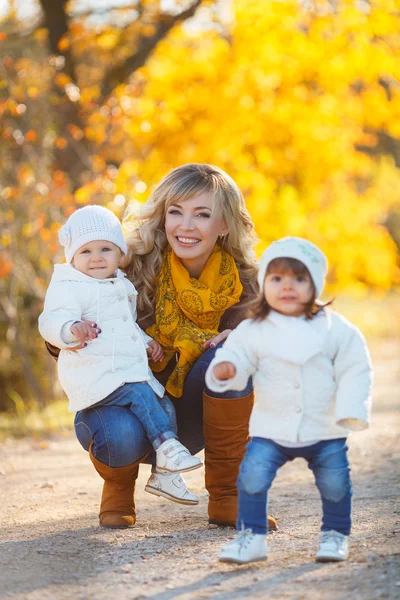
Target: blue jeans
[
  {"x": 118, "y": 436},
  {"x": 144, "y": 404},
  {"x": 327, "y": 460}
]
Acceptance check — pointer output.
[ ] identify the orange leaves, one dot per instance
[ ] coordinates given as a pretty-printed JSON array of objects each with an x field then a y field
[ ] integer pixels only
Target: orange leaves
[
  {"x": 278, "y": 109},
  {"x": 96, "y": 134},
  {"x": 5, "y": 267},
  {"x": 90, "y": 94},
  {"x": 282, "y": 103},
  {"x": 61, "y": 142},
  {"x": 31, "y": 135},
  {"x": 33, "y": 91},
  {"x": 62, "y": 79},
  {"x": 41, "y": 34},
  {"x": 64, "y": 43},
  {"x": 59, "y": 179},
  {"x": 108, "y": 40},
  {"x": 85, "y": 194},
  {"x": 75, "y": 131}
]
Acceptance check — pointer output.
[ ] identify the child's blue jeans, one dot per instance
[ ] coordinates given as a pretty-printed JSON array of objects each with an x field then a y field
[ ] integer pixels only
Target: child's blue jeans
[
  {"x": 327, "y": 460},
  {"x": 118, "y": 436},
  {"x": 142, "y": 401}
]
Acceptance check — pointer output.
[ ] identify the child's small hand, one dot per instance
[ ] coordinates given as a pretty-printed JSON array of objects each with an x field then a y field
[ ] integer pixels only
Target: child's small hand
[
  {"x": 224, "y": 370},
  {"x": 85, "y": 331},
  {"x": 213, "y": 342},
  {"x": 155, "y": 352}
]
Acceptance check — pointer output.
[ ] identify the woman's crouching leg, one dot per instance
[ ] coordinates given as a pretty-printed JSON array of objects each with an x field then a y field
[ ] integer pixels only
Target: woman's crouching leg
[
  {"x": 116, "y": 444},
  {"x": 225, "y": 426}
]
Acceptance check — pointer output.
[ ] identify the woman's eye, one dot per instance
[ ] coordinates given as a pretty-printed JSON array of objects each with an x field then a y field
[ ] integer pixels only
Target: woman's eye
[
  {"x": 174, "y": 211},
  {"x": 204, "y": 215}
]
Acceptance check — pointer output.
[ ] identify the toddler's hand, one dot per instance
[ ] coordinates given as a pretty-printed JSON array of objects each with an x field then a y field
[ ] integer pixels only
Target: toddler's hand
[
  {"x": 224, "y": 370},
  {"x": 84, "y": 331},
  {"x": 155, "y": 352},
  {"x": 213, "y": 342}
]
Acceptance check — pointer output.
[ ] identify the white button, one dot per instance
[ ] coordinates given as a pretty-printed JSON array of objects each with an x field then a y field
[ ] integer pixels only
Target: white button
[
  {"x": 299, "y": 409},
  {"x": 297, "y": 385},
  {"x": 124, "y": 318}
]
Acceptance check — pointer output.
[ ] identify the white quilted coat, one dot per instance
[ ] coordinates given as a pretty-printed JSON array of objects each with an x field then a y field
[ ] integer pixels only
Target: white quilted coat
[
  {"x": 116, "y": 357},
  {"x": 312, "y": 379}
]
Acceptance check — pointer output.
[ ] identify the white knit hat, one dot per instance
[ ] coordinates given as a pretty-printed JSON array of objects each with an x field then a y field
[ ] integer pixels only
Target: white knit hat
[
  {"x": 89, "y": 224},
  {"x": 301, "y": 249}
]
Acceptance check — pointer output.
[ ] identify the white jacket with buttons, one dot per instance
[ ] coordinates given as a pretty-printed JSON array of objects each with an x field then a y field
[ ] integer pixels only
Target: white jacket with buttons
[
  {"x": 116, "y": 357},
  {"x": 312, "y": 379}
]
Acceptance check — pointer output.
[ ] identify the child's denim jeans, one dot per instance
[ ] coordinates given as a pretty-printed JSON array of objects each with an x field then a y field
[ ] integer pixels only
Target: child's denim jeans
[
  {"x": 144, "y": 404},
  {"x": 327, "y": 460},
  {"x": 118, "y": 436}
]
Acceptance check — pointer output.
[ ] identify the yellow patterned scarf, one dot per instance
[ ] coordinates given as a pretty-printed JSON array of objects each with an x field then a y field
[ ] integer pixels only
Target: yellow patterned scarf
[{"x": 188, "y": 310}]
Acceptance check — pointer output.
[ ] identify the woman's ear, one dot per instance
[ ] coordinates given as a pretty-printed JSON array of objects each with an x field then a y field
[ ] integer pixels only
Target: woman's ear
[{"x": 224, "y": 229}]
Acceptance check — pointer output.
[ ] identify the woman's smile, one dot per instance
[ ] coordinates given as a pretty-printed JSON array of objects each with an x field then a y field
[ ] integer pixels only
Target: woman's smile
[{"x": 187, "y": 241}]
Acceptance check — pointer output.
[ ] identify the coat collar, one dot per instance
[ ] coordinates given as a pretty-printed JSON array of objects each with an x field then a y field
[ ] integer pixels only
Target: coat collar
[
  {"x": 66, "y": 272},
  {"x": 295, "y": 339}
]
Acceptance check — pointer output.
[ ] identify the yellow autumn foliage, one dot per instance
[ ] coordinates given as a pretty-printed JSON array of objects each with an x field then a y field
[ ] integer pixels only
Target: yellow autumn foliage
[
  {"x": 298, "y": 101},
  {"x": 282, "y": 105}
]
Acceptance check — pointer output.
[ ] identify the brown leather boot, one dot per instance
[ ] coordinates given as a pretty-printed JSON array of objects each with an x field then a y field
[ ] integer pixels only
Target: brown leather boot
[
  {"x": 117, "y": 507},
  {"x": 226, "y": 431}
]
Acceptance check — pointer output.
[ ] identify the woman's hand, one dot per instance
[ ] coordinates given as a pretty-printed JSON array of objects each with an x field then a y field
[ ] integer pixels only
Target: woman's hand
[
  {"x": 224, "y": 370},
  {"x": 154, "y": 351},
  {"x": 84, "y": 331},
  {"x": 213, "y": 342}
]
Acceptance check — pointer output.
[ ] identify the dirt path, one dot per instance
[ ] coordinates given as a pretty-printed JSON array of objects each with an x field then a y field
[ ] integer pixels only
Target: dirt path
[{"x": 52, "y": 548}]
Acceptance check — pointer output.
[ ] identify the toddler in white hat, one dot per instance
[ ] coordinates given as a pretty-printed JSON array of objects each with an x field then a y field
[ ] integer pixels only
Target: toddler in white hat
[
  {"x": 312, "y": 380},
  {"x": 90, "y": 313}
]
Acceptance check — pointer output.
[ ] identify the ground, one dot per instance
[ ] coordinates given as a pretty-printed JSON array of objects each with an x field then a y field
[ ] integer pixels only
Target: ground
[{"x": 52, "y": 548}]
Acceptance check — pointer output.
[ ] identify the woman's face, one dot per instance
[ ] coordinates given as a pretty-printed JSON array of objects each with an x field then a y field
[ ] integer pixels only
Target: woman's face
[{"x": 192, "y": 230}]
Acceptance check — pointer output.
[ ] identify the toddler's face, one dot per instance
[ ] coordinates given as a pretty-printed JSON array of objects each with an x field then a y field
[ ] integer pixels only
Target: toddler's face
[
  {"x": 98, "y": 259},
  {"x": 288, "y": 293}
]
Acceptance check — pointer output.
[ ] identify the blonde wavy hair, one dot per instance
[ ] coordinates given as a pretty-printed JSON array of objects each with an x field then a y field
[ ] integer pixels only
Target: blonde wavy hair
[{"x": 148, "y": 241}]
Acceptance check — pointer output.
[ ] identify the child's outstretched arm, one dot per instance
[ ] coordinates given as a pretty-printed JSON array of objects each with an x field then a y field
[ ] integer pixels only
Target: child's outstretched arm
[
  {"x": 236, "y": 361},
  {"x": 353, "y": 372},
  {"x": 61, "y": 308}
]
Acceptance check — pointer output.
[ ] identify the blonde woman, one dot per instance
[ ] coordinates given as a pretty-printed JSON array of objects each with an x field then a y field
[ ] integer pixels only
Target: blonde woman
[{"x": 192, "y": 262}]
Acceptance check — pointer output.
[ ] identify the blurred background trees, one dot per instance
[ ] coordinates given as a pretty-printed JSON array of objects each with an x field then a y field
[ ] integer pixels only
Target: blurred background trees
[{"x": 298, "y": 101}]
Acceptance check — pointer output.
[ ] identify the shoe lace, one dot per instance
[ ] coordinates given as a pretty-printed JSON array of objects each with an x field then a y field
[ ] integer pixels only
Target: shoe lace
[
  {"x": 331, "y": 537},
  {"x": 244, "y": 537}
]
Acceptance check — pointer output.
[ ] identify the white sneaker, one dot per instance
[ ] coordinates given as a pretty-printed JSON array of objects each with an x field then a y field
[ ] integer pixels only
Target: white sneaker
[
  {"x": 333, "y": 546},
  {"x": 246, "y": 547},
  {"x": 172, "y": 487},
  {"x": 173, "y": 457}
]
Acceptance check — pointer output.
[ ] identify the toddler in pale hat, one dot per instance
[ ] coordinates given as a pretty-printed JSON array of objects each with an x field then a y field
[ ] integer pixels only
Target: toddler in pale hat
[
  {"x": 90, "y": 307},
  {"x": 312, "y": 380}
]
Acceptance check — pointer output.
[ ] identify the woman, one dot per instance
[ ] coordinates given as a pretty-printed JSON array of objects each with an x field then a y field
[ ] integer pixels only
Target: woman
[{"x": 192, "y": 262}]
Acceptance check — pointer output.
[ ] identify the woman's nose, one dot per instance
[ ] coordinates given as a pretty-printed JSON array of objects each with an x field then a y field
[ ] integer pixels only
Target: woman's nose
[{"x": 187, "y": 223}]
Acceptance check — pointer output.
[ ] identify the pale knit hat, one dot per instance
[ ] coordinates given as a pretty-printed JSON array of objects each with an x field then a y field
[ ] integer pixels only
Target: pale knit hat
[
  {"x": 89, "y": 224},
  {"x": 301, "y": 249}
]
